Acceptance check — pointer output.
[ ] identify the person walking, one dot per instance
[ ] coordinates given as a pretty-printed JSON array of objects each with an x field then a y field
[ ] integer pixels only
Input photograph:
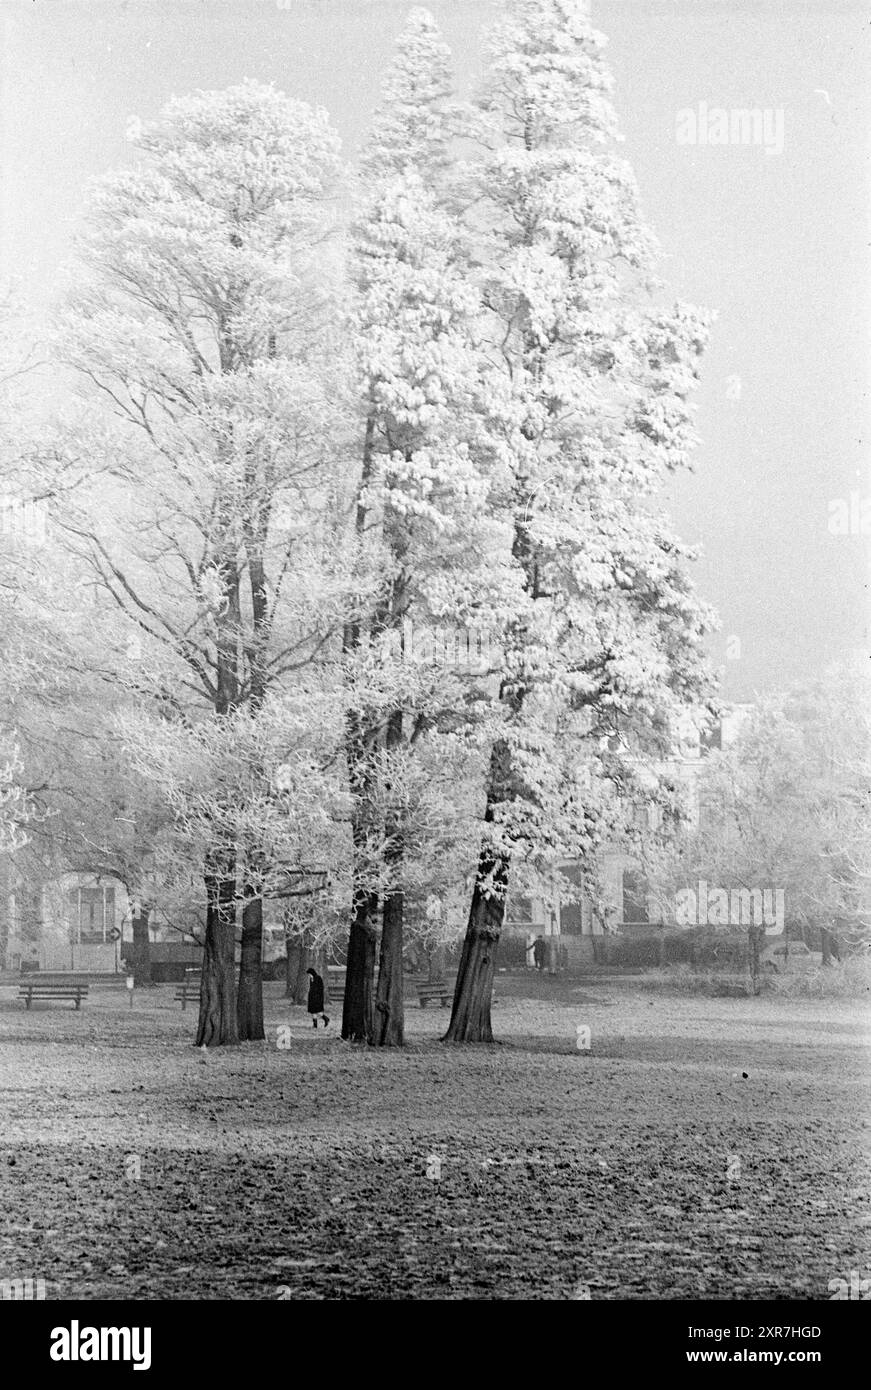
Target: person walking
[
  {"x": 316, "y": 997},
  {"x": 539, "y": 953}
]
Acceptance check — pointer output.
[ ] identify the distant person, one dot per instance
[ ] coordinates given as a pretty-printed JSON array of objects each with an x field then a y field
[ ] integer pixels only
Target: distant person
[
  {"x": 539, "y": 952},
  {"x": 316, "y": 997}
]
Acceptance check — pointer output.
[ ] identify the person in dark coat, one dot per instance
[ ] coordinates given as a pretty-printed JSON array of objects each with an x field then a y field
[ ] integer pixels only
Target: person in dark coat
[
  {"x": 539, "y": 952},
  {"x": 316, "y": 997}
]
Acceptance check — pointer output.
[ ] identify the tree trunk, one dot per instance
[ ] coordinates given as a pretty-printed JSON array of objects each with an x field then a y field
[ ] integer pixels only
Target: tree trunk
[
  {"x": 217, "y": 1026},
  {"x": 249, "y": 1002},
  {"x": 470, "y": 1015},
  {"x": 358, "y": 1009},
  {"x": 141, "y": 949},
  {"x": 389, "y": 1000},
  {"x": 217, "y": 1022},
  {"x": 291, "y": 970},
  {"x": 358, "y": 1013},
  {"x": 473, "y": 992},
  {"x": 358, "y": 1023},
  {"x": 755, "y": 936}
]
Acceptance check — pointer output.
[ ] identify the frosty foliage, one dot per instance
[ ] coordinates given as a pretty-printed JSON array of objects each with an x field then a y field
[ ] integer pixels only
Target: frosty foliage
[{"x": 295, "y": 432}]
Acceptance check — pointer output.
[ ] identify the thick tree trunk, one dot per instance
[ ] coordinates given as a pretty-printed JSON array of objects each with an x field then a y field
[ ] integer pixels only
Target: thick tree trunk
[
  {"x": 358, "y": 1012},
  {"x": 249, "y": 1002},
  {"x": 217, "y": 1026},
  {"x": 389, "y": 999},
  {"x": 141, "y": 949},
  {"x": 470, "y": 1014},
  {"x": 358, "y": 1009},
  {"x": 473, "y": 992},
  {"x": 217, "y": 1022},
  {"x": 358, "y": 1022}
]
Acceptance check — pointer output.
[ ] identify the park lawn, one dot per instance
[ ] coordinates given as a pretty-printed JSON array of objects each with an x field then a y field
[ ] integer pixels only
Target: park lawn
[{"x": 702, "y": 1148}]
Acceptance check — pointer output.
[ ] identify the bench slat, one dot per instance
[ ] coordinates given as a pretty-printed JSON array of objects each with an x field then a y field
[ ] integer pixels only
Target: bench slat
[{"x": 50, "y": 990}]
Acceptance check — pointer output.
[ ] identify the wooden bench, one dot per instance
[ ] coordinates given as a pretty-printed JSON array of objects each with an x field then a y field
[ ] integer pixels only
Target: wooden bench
[
  {"x": 411, "y": 984},
  {"x": 77, "y": 990},
  {"x": 427, "y": 990},
  {"x": 189, "y": 987},
  {"x": 443, "y": 990}
]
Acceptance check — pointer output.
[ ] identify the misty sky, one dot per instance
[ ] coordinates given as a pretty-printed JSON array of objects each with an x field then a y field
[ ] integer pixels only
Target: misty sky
[{"x": 775, "y": 240}]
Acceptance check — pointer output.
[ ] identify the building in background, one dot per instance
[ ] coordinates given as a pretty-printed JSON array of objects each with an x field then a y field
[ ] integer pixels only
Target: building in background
[
  {"x": 575, "y": 921},
  {"x": 76, "y": 922}
]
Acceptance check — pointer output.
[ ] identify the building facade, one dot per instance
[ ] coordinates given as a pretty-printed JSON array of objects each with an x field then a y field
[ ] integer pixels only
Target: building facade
[
  {"x": 574, "y": 921},
  {"x": 77, "y": 922}
]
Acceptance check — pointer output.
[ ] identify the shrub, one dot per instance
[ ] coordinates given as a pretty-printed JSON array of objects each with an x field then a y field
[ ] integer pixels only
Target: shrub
[{"x": 849, "y": 979}]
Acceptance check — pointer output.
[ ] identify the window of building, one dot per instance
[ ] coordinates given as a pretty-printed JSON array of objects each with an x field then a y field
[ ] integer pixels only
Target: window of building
[
  {"x": 571, "y": 914},
  {"x": 92, "y": 914},
  {"x": 519, "y": 912}
]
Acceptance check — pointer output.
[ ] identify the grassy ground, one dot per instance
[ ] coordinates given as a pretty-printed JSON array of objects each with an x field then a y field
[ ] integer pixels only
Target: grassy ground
[{"x": 700, "y": 1148}]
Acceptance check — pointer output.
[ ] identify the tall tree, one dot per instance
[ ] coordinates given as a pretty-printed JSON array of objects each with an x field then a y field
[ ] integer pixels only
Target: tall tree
[
  {"x": 203, "y": 331},
  {"x": 415, "y": 331},
  {"x": 586, "y": 394}
]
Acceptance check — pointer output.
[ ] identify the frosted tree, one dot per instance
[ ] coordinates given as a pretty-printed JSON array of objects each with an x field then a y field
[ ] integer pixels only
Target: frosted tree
[
  {"x": 787, "y": 807},
  {"x": 587, "y": 399},
  {"x": 423, "y": 493},
  {"x": 212, "y": 418},
  {"x": 35, "y": 654}
]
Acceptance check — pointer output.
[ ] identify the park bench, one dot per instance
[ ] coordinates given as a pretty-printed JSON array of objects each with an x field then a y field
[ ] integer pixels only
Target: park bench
[
  {"x": 189, "y": 987},
  {"x": 427, "y": 990},
  {"x": 77, "y": 990},
  {"x": 419, "y": 985},
  {"x": 443, "y": 990}
]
